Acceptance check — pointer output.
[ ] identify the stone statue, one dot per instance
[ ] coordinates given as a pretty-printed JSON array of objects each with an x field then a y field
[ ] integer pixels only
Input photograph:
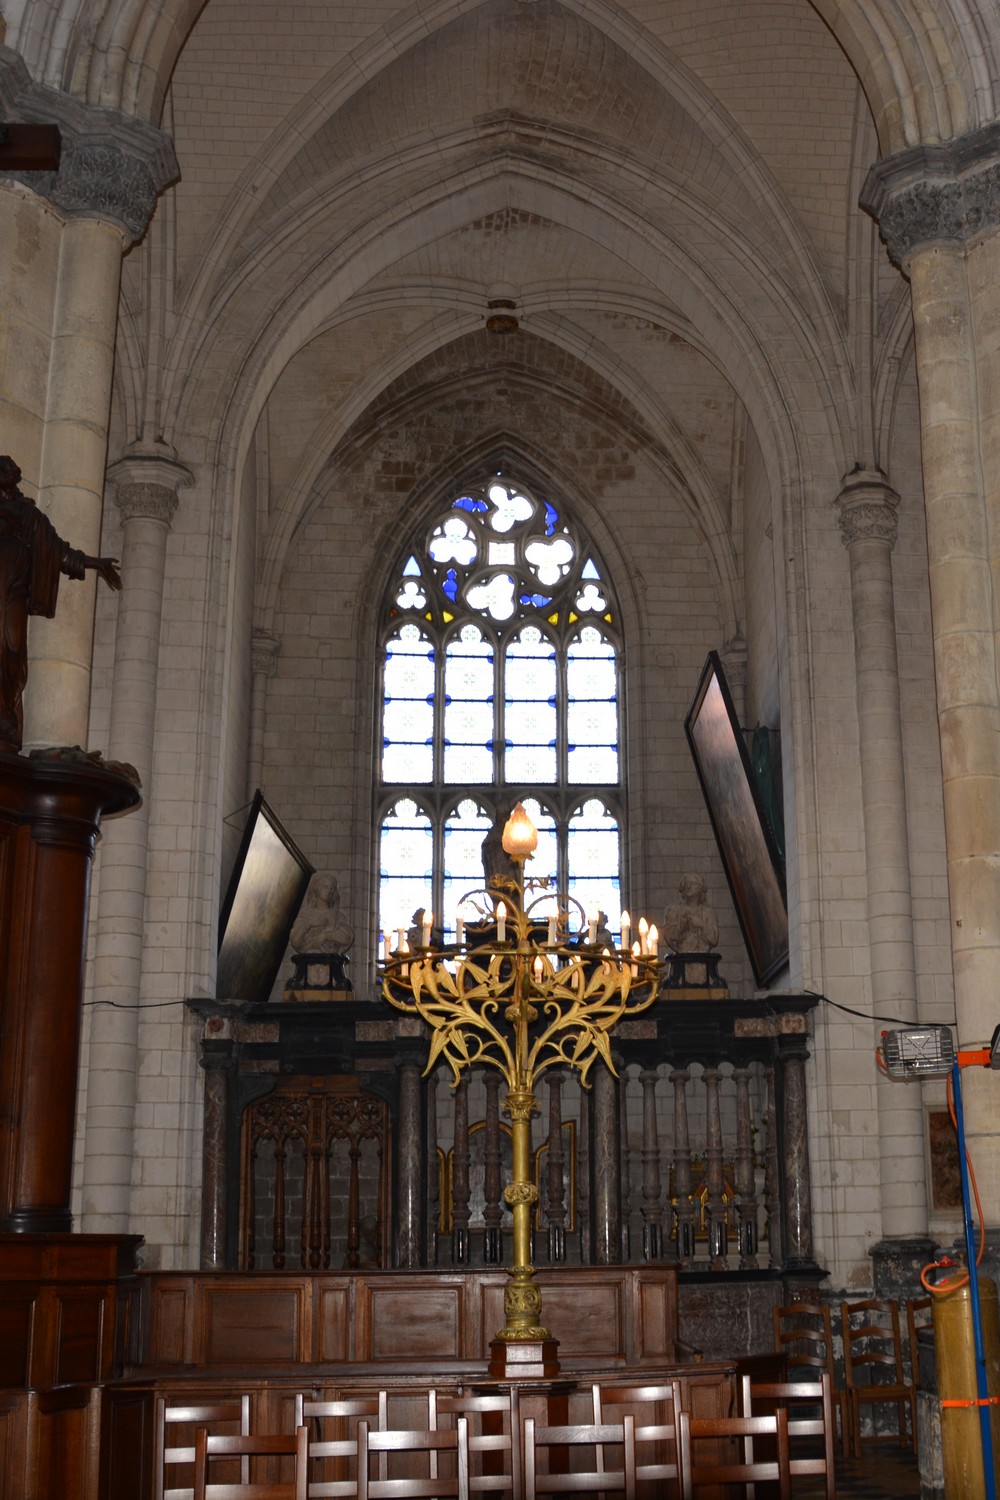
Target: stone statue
[
  {"x": 497, "y": 863},
  {"x": 691, "y": 926},
  {"x": 321, "y": 926},
  {"x": 32, "y": 556}
]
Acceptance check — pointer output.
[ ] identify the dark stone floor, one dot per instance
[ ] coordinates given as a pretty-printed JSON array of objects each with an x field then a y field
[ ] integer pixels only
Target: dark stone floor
[{"x": 885, "y": 1471}]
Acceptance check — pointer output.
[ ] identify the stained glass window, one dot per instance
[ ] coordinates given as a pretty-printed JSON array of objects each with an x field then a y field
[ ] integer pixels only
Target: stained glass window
[{"x": 500, "y": 682}]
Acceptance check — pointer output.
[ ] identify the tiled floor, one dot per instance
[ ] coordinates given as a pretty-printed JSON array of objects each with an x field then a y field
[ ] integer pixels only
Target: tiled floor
[{"x": 884, "y": 1472}]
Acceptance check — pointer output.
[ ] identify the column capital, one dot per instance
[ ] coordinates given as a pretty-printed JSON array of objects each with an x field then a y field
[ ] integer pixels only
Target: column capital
[
  {"x": 936, "y": 195},
  {"x": 113, "y": 167},
  {"x": 146, "y": 485},
  {"x": 264, "y": 649},
  {"x": 867, "y": 506}
]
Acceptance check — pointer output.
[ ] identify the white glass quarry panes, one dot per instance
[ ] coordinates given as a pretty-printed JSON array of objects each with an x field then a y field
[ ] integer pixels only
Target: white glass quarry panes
[
  {"x": 530, "y": 708},
  {"x": 494, "y": 597},
  {"x": 464, "y": 832},
  {"x": 468, "y": 711},
  {"x": 511, "y": 508},
  {"x": 408, "y": 708},
  {"x": 406, "y": 859},
  {"x": 591, "y": 598},
  {"x": 593, "y": 856},
  {"x": 502, "y": 553},
  {"x": 550, "y": 561},
  {"x": 453, "y": 541},
  {"x": 592, "y": 709}
]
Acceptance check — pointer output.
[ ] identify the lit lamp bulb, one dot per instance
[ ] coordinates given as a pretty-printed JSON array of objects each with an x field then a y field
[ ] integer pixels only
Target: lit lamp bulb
[{"x": 520, "y": 836}]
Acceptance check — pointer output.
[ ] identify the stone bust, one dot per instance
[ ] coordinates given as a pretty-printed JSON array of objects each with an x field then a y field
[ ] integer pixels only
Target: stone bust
[
  {"x": 690, "y": 924},
  {"x": 321, "y": 926}
]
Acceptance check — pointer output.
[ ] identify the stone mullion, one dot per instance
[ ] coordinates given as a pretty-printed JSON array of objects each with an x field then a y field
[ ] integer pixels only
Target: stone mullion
[
  {"x": 867, "y": 509},
  {"x": 264, "y": 660}
]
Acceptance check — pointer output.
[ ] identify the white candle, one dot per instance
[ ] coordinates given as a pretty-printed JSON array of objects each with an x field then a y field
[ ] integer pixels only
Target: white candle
[
  {"x": 387, "y": 943},
  {"x": 626, "y": 924},
  {"x": 501, "y": 922},
  {"x": 538, "y": 967},
  {"x": 636, "y": 954},
  {"x": 606, "y": 956},
  {"x": 425, "y": 933},
  {"x": 552, "y": 932},
  {"x": 643, "y": 934},
  {"x": 400, "y": 939},
  {"x": 654, "y": 938},
  {"x": 592, "y": 928},
  {"x": 459, "y": 930}
]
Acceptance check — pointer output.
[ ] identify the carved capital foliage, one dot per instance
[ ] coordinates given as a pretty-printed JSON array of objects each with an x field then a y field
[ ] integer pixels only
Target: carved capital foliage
[
  {"x": 150, "y": 502},
  {"x": 264, "y": 652},
  {"x": 867, "y": 509},
  {"x": 146, "y": 484},
  {"x": 113, "y": 165},
  {"x": 934, "y": 195}
]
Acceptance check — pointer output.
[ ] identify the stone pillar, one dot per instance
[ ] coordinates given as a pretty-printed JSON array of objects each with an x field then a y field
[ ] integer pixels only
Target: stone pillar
[
  {"x": 146, "y": 486},
  {"x": 939, "y": 210},
  {"x": 867, "y": 512},
  {"x": 409, "y": 1167},
  {"x": 605, "y": 1160},
  {"x": 111, "y": 170},
  {"x": 264, "y": 653}
]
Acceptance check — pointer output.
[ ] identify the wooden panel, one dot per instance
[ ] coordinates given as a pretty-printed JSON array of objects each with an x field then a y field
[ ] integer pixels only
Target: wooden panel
[
  {"x": 13, "y": 1436},
  {"x": 17, "y": 1310},
  {"x": 126, "y": 1445},
  {"x": 252, "y": 1322},
  {"x": 171, "y": 1321},
  {"x": 333, "y": 1322},
  {"x": 78, "y": 1343},
  {"x": 654, "y": 1320},
  {"x": 64, "y": 1444},
  {"x": 410, "y": 1322}
]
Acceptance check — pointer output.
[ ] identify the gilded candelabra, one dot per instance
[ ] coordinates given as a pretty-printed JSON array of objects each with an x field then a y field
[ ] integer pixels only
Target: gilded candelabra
[{"x": 522, "y": 994}]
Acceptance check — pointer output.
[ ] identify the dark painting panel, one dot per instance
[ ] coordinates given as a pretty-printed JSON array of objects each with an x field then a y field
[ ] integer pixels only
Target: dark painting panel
[
  {"x": 268, "y": 883},
  {"x": 749, "y": 855}
]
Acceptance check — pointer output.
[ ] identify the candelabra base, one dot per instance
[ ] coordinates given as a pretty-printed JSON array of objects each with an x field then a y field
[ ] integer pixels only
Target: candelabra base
[{"x": 523, "y": 1359}]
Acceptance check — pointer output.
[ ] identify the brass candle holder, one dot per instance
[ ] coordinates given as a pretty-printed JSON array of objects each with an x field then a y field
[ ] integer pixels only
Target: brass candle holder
[{"x": 513, "y": 994}]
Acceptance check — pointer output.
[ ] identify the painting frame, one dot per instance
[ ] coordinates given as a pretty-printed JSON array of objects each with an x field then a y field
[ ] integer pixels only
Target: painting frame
[
  {"x": 746, "y": 844},
  {"x": 269, "y": 880}
]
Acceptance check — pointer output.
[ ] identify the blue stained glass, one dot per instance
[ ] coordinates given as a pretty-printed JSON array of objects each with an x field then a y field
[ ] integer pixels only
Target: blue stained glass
[
  {"x": 538, "y": 600},
  {"x": 589, "y": 570},
  {"x": 450, "y": 584},
  {"x": 551, "y": 518},
  {"x": 412, "y": 568},
  {"x": 474, "y": 507}
]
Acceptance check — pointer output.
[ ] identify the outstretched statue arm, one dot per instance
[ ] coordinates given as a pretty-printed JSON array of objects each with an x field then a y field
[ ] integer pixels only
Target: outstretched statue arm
[{"x": 106, "y": 568}]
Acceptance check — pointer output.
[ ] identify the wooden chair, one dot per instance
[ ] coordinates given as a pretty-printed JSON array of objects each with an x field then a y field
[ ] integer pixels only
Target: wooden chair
[
  {"x": 417, "y": 1450},
  {"x": 494, "y": 1439},
  {"x": 803, "y": 1333},
  {"x": 654, "y": 1409},
  {"x": 169, "y": 1416},
  {"x": 762, "y": 1398},
  {"x": 872, "y": 1344},
  {"x": 209, "y": 1446},
  {"x": 722, "y": 1467},
  {"x": 597, "y": 1436},
  {"x": 335, "y": 1448}
]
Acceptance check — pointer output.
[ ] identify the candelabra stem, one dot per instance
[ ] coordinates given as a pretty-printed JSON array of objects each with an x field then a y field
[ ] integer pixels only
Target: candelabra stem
[{"x": 522, "y": 1302}]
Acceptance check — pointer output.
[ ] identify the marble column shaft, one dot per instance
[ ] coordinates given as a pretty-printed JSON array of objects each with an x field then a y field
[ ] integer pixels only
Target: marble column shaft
[
  {"x": 797, "y": 1227},
  {"x": 409, "y": 1167},
  {"x": 147, "y": 497},
  {"x": 606, "y": 1162},
  {"x": 218, "y": 1062},
  {"x": 867, "y": 512}
]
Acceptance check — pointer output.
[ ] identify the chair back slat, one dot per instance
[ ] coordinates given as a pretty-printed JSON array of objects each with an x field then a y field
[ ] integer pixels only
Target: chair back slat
[
  {"x": 578, "y": 1479},
  {"x": 874, "y": 1371},
  {"x": 764, "y": 1397},
  {"x": 706, "y": 1470},
  {"x": 209, "y": 1447},
  {"x": 654, "y": 1409},
  {"x": 430, "y": 1451},
  {"x": 173, "y": 1448},
  {"x": 494, "y": 1434}
]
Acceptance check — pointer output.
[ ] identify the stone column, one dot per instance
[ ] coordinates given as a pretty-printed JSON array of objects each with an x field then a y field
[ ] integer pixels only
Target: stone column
[
  {"x": 264, "y": 654},
  {"x": 146, "y": 487},
  {"x": 409, "y": 1167},
  {"x": 607, "y": 1209},
  {"x": 105, "y": 190},
  {"x": 867, "y": 513},
  {"x": 938, "y": 209}
]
